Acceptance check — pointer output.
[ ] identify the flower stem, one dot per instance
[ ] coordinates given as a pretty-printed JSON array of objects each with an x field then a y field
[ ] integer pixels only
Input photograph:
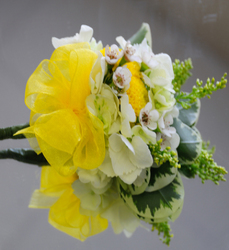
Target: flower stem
[
  {"x": 24, "y": 155},
  {"x": 8, "y": 133}
]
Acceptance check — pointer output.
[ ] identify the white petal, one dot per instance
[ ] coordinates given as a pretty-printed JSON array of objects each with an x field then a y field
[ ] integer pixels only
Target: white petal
[
  {"x": 121, "y": 41},
  {"x": 106, "y": 166},
  {"x": 126, "y": 129},
  {"x": 142, "y": 157},
  {"x": 130, "y": 177}
]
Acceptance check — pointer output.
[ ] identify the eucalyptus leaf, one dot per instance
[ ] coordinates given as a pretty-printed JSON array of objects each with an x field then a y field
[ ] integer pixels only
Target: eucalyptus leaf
[
  {"x": 159, "y": 205},
  {"x": 143, "y": 32},
  {"x": 190, "y": 141},
  {"x": 189, "y": 116}
]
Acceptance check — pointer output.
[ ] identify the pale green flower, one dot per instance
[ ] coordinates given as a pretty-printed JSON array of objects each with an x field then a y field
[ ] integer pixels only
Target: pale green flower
[
  {"x": 105, "y": 106},
  {"x": 121, "y": 217},
  {"x": 129, "y": 158}
]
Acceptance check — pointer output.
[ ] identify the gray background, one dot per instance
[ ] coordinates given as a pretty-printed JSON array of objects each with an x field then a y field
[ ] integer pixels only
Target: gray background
[{"x": 183, "y": 29}]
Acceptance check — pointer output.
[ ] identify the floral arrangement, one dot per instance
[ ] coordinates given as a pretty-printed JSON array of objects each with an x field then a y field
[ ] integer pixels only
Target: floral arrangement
[{"x": 113, "y": 133}]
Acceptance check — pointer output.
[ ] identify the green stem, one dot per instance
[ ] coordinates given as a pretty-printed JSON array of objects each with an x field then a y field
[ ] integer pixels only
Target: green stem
[
  {"x": 24, "y": 155},
  {"x": 8, "y": 133}
]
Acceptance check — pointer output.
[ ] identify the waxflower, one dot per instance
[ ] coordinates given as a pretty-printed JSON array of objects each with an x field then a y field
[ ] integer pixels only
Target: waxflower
[
  {"x": 122, "y": 78},
  {"x": 112, "y": 54},
  {"x": 148, "y": 117}
]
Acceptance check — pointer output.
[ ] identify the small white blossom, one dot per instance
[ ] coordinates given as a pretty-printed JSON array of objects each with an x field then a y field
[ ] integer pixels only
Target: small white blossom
[
  {"x": 128, "y": 49},
  {"x": 112, "y": 54},
  {"x": 149, "y": 117},
  {"x": 122, "y": 78},
  {"x": 171, "y": 141},
  {"x": 166, "y": 120},
  {"x": 145, "y": 53}
]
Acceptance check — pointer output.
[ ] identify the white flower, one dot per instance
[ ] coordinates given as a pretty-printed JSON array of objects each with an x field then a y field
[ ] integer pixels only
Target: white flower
[
  {"x": 127, "y": 116},
  {"x": 166, "y": 120},
  {"x": 149, "y": 117},
  {"x": 95, "y": 177},
  {"x": 112, "y": 54},
  {"x": 162, "y": 74},
  {"x": 97, "y": 74},
  {"x": 85, "y": 35},
  {"x": 161, "y": 98},
  {"x": 122, "y": 78},
  {"x": 147, "y": 135},
  {"x": 171, "y": 141},
  {"x": 121, "y": 217},
  {"x": 128, "y": 49},
  {"x": 129, "y": 158},
  {"x": 145, "y": 53},
  {"x": 106, "y": 107}
]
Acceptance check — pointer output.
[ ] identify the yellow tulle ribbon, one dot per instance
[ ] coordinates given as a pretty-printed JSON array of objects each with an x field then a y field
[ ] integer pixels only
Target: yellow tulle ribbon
[
  {"x": 57, "y": 194},
  {"x": 61, "y": 126}
]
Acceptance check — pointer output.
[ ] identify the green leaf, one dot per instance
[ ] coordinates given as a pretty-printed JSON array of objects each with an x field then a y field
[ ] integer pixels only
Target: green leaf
[
  {"x": 190, "y": 141},
  {"x": 189, "y": 116},
  {"x": 157, "y": 206},
  {"x": 133, "y": 189},
  {"x": 143, "y": 32},
  {"x": 161, "y": 176}
]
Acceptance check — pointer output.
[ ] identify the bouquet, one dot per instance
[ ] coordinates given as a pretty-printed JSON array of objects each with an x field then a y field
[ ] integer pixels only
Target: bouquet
[{"x": 113, "y": 133}]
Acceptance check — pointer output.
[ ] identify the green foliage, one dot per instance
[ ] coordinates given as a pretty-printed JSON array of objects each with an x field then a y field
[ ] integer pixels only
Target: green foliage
[
  {"x": 200, "y": 91},
  {"x": 190, "y": 141},
  {"x": 205, "y": 167},
  {"x": 189, "y": 116},
  {"x": 164, "y": 228},
  {"x": 181, "y": 72},
  {"x": 161, "y": 156}
]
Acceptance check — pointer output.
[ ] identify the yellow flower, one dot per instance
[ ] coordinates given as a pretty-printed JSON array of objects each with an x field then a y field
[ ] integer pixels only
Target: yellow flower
[
  {"x": 67, "y": 134},
  {"x": 138, "y": 95},
  {"x": 57, "y": 194}
]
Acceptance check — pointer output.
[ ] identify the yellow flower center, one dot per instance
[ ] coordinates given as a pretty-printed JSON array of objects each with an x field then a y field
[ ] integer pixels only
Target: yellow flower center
[{"x": 138, "y": 95}]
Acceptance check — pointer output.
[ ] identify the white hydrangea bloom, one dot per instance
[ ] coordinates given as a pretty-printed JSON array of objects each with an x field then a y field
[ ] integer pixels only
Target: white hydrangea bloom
[
  {"x": 106, "y": 107},
  {"x": 127, "y": 116},
  {"x": 95, "y": 177},
  {"x": 97, "y": 74},
  {"x": 147, "y": 135},
  {"x": 121, "y": 217},
  {"x": 85, "y": 35},
  {"x": 129, "y": 158},
  {"x": 148, "y": 117},
  {"x": 93, "y": 200},
  {"x": 122, "y": 77},
  {"x": 112, "y": 54}
]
